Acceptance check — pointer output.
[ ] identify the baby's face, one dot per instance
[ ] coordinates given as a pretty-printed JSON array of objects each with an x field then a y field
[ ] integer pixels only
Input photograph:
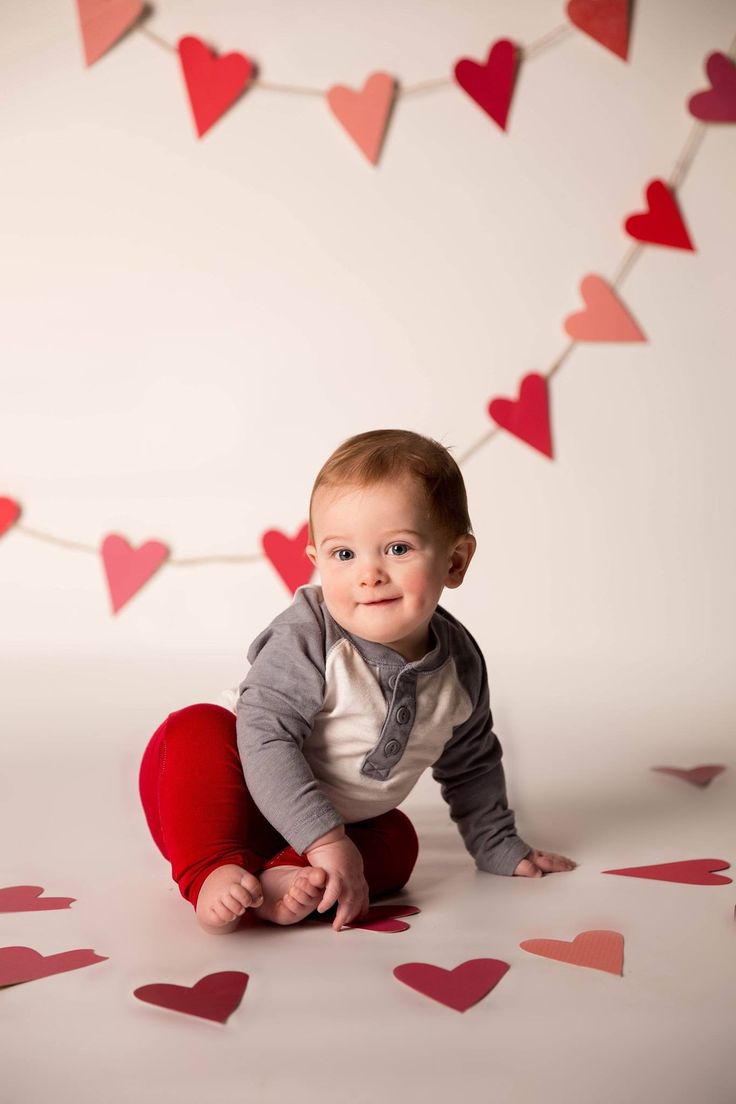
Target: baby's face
[{"x": 382, "y": 564}]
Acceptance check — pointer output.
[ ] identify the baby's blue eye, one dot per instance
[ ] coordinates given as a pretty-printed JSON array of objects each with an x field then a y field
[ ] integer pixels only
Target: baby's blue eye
[
  {"x": 338, "y": 551},
  {"x": 400, "y": 544}
]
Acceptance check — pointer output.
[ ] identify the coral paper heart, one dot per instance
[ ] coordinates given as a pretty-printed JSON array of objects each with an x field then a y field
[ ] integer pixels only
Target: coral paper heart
[
  {"x": 103, "y": 22},
  {"x": 459, "y": 988},
  {"x": 689, "y": 872},
  {"x": 25, "y": 898},
  {"x": 662, "y": 223},
  {"x": 607, "y": 21},
  {"x": 605, "y": 317},
  {"x": 9, "y": 514},
  {"x": 491, "y": 84},
  {"x": 383, "y": 918},
  {"x": 528, "y": 416},
  {"x": 19, "y": 964},
  {"x": 699, "y": 776},
  {"x": 718, "y": 103},
  {"x": 127, "y": 569},
  {"x": 214, "y": 997},
  {"x": 288, "y": 556},
  {"x": 600, "y": 950},
  {"x": 213, "y": 83},
  {"x": 365, "y": 114}
]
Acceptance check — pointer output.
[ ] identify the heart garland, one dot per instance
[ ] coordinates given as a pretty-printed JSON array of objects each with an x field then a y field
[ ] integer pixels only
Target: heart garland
[
  {"x": 716, "y": 104},
  {"x": 103, "y": 22},
  {"x": 213, "y": 83},
  {"x": 365, "y": 114},
  {"x": 491, "y": 84}
]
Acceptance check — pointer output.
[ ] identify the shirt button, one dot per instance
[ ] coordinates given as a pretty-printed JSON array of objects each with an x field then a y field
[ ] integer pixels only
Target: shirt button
[
  {"x": 402, "y": 714},
  {"x": 392, "y": 680},
  {"x": 392, "y": 747}
]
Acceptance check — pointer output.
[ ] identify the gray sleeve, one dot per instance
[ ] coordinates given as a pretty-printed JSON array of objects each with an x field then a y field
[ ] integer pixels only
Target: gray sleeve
[
  {"x": 279, "y": 698},
  {"x": 473, "y": 784}
]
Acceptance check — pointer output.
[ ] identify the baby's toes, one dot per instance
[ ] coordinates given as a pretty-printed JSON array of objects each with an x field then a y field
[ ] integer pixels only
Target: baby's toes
[{"x": 222, "y": 913}]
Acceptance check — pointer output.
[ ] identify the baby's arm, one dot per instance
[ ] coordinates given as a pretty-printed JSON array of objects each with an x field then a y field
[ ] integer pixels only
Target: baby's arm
[{"x": 337, "y": 855}]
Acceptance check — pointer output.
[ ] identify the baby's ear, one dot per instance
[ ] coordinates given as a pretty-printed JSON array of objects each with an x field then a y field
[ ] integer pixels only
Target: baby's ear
[{"x": 311, "y": 552}]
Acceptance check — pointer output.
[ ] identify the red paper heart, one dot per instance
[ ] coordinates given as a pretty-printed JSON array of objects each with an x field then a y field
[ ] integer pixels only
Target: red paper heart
[
  {"x": 103, "y": 22},
  {"x": 528, "y": 416},
  {"x": 214, "y": 997},
  {"x": 459, "y": 988},
  {"x": 24, "y": 898},
  {"x": 9, "y": 513},
  {"x": 688, "y": 872},
  {"x": 605, "y": 317},
  {"x": 288, "y": 556},
  {"x": 662, "y": 223},
  {"x": 699, "y": 776},
  {"x": 213, "y": 83},
  {"x": 491, "y": 84},
  {"x": 607, "y": 21},
  {"x": 600, "y": 950},
  {"x": 718, "y": 103},
  {"x": 382, "y": 918},
  {"x": 127, "y": 568},
  {"x": 19, "y": 964},
  {"x": 365, "y": 113}
]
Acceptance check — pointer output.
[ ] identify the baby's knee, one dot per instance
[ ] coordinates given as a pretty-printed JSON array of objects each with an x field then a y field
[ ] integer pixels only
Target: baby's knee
[{"x": 195, "y": 723}]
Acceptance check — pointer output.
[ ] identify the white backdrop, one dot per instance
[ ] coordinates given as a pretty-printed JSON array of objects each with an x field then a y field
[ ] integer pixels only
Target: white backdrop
[{"x": 190, "y": 327}]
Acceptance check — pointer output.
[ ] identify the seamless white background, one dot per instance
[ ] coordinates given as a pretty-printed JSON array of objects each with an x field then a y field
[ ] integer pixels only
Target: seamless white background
[{"x": 189, "y": 328}]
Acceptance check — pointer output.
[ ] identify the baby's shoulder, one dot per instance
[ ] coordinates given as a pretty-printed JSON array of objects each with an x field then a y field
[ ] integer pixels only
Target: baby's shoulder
[
  {"x": 298, "y": 631},
  {"x": 466, "y": 653}
]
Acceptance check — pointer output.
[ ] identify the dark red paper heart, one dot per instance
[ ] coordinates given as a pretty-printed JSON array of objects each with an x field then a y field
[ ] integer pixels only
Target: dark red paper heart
[
  {"x": 288, "y": 556},
  {"x": 491, "y": 84},
  {"x": 662, "y": 223},
  {"x": 528, "y": 416},
  {"x": 19, "y": 964},
  {"x": 384, "y": 918},
  {"x": 716, "y": 104},
  {"x": 24, "y": 898},
  {"x": 607, "y": 21},
  {"x": 214, "y": 997},
  {"x": 699, "y": 776},
  {"x": 213, "y": 83},
  {"x": 688, "y": 872},
  {"x": 459, "y": 988}
]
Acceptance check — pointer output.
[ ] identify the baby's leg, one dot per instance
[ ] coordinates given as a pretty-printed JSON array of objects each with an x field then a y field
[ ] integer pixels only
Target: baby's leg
[{"x": 389, "y": 846}]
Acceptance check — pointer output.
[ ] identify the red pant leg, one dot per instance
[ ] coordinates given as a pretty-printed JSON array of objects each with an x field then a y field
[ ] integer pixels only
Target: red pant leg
[
  {"x": 198, "y": 808},
  {"x": 389, "y": 847}
]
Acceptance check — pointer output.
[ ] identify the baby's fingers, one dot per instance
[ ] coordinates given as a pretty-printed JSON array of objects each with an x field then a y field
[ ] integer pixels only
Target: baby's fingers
[
  {"x": 552, "y": 863},
  {"x": 331, "y": 893}
]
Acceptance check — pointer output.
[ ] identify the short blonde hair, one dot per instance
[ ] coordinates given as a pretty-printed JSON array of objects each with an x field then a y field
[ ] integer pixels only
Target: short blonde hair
[{"x": 382, "y": 455}]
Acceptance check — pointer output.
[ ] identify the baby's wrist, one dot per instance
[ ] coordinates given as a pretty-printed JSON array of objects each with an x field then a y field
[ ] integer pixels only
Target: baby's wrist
[{"x": 333, "y": 836}]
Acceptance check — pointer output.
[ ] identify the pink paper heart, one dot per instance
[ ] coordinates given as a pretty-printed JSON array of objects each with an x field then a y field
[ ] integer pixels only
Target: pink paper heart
[
  {"x": 18, "y": 964},
  {"x": 661, "y": 223},
  {"x": 9, "y": 514},
  {"x": 103, "y": 22},
  {"x": 214, "y": 997},
  {"x": 459, "y": 988},
  {"x": 718, "y": 103},
  {"x": 699, "y": 776},
  {"x": 600, "y": 950},
  {"x": 213, "y": 83},
  {"x": 365, "y": 114},
  {"x": 688, "y": 872},
  {"x": 127, "y": 569},
  {"x": 528, "y": 416},
  {"x": 607, "y": 21},
  {"x": 382, "y": 918},
  {"x": 288, "y": 556},
  {"x": 24, "y": 898},
  {"x": 605, "y": 318},
  {"x": 491, "y": 84}
]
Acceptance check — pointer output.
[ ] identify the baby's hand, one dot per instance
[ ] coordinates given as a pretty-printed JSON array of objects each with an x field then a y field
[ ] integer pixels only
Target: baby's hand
[
  {"x": 538, "y": 863},
  {"x": 343, "y": 864}
]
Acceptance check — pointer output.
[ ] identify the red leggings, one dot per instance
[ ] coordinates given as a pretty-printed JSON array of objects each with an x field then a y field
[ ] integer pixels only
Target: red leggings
[{"x": 202, "y": 816}]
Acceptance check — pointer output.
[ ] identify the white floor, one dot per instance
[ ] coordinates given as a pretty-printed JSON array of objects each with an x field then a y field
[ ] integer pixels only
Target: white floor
[{"x": 323, "y": 1019}]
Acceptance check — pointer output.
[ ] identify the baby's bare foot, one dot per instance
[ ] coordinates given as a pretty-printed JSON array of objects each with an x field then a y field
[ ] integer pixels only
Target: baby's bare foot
[
  {"x": 291, "y": 892},
  {"x": 225, "y": 895}
]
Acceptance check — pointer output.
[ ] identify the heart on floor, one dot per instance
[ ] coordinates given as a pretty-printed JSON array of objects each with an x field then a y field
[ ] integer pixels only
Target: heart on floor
[
  {"x": 661, "y": 223},
  {"x": 459, "y": 988},
  {"x": 384, "y": 918},
  {"x": 528, "y": 416},
  {"x": 103, "y": 22},
  {"x": 605, "y": 318},
  {"x": 688, "y": 872},
  {"x": 214, "y": 997},
  {"x": 716, "y": 104},
  {"x": 599, "y": 950},
  {"x": 365, "y": 114},
  {"x": 491, "y": 83},
  {"x": 9, "y": 514},
  {"x": 607, "y": 21},
  {"x": 699, "y": 776},
  {"x": 18, "y": 964},
  {"x": 27, "y": 898},
  {"x": 127, "y": 568},
  {"x": 287, "y": 555},
  {"x": 213, "y": 83}
]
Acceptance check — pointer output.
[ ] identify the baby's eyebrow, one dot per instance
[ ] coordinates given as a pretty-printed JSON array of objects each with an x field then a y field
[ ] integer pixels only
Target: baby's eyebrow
[{"x": 390, "y": 532}]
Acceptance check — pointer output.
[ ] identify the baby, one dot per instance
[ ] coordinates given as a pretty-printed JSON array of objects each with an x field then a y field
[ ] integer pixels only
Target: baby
[{"x": 290, "y": 806}]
